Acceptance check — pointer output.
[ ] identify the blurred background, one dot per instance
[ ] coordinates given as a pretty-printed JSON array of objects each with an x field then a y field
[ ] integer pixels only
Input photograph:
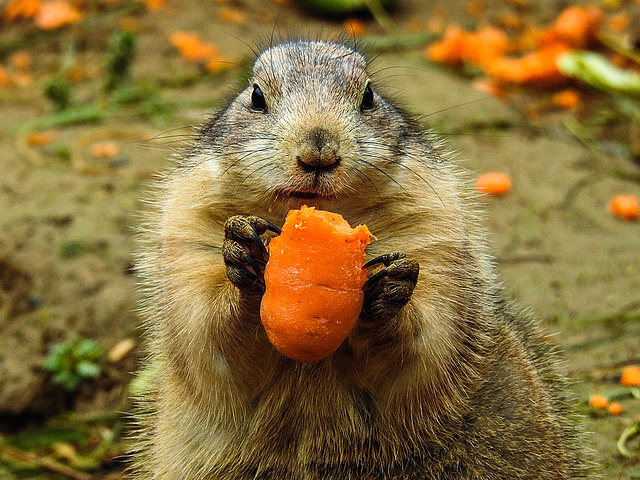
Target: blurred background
[{"x": 539, "y": 100}]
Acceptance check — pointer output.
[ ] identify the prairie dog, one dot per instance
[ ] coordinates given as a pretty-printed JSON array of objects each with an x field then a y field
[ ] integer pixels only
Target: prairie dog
[{"x": 441, "y": 377}]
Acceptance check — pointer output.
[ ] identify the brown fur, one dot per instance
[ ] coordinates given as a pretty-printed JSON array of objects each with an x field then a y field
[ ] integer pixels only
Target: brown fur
[{"x": 457, "y": 385}]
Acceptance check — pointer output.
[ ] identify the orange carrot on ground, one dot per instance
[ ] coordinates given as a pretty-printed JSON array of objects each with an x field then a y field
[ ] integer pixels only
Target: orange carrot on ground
[
  {"x": 104, "y": 150},
  {"x": 57, "y": 14},
  {"x": 626, "y": 207},
  {"x": 494, "y": 183},
  {"x": 5, "y": 79},
  {"x": 354, "y": 27},
  {"x": 448, "y": 50},
  {"x": 630, "y": 376},
  {"x": 154, "y": 4},
  {"x": 538, "y": 68},
  {"x": 314, "y": 279},
  {"x": 21, "y": 60},
  {"x": 38, "y": 139},
  {"x": 568, "y": 99},
  {"x": 192, "y": 48},
  {"x": 483, "y": 47},
  {"x": 598, "y": 401},
  {"x": 16, "y": 9},
  {"x": 577, "y": 25},
  {"x": 615, "y": 408},
  {"x": 458, "y": 46}
]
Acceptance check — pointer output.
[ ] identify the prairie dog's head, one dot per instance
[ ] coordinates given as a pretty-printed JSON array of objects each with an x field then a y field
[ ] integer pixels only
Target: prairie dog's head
[{"x": 310, "y": 127}]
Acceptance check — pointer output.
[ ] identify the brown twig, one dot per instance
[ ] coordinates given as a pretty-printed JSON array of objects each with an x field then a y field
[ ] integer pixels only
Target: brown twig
[{"x": 42, "y": 462}]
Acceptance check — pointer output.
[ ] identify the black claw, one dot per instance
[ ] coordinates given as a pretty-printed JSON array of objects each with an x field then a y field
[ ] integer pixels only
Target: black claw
[
  {"x": 385, "y": 259},
  {"x": 373, "y": 279},
  {"x": 252, "y": 263},
  {"x": 259, "y": 243},
  {"x": 271, "y": 227}
]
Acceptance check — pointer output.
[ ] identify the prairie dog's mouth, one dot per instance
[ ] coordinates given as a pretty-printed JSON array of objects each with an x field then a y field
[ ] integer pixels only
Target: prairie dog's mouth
[
  {"x": 303, "y": 194},
  {"x": 310, "y": 183}
]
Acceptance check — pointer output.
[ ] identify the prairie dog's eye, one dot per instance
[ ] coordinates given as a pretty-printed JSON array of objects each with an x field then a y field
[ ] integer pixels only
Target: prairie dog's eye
[
  {"x": 257, "y": 99},
  {"x": 367, "y": 98}
]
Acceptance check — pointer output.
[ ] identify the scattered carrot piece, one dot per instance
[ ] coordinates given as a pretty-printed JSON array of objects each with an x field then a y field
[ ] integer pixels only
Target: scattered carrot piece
[
  {"x": 20, "y": 60},
  {"x": 191, "y": 48},
  {"x": 39, "y": 139},
  {"x": 535, "y": 68},
  {"x": 16, "y": 9},
  {"x": 216, "y": 64},
  {"x": 448, "y": 50},
  {"x": 494, "y": 183},
  {"x": 615, "y": 408},
  {"x": 568, "y": 99},
  {"x": 57, "y": 14},
  {"x": 626, "y": 207},
  {"x": 314, "y": 279},
  {"x": 354, "y": 26},
  {"x": 630, "y": 376},
  {"x": 154, "y": 4},
  {"x": 479, "y": 48},
  {"x": 577, "y": 25},
  {"x": 232, "y": 15},
  {"x": 5, "y": 79},
  {"x": 598, "y": 401},
  {"x": 485, "y": 46},
  {"x": 104, "y": 150}
]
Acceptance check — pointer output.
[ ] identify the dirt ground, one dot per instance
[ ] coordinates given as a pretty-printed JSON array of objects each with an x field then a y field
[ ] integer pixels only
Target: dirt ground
[{"x": 67, "y": 219}]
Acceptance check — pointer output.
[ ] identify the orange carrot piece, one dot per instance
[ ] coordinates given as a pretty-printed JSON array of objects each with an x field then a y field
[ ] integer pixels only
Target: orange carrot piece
[
  {"x": 191, "y": 48},
  {"x": 537, "y": 68},
  {"x": 577, "y": 26},
  {"x": 485, "y": 46},
  {"x": 449, "y": 49},
  {"x": 615, "y": 408},
  {"x": 568, "y": 99},
  {"x": 57, "y": 14},
  {"x": 625, "y": 207},
  {"x": 5, "y": 79},
  {"x": 104, "y": 150},
  {"x": 354, "y": 27},
  {"x": 314, "y": 279},
  {"x": 598, "y": 401},
  {"x": 494, "y": 183},
  {"x": 21, "y": 60},
  {"x": 39, "y": 139},
  {"x": 630, "y": 376},
  {"x": 16, "y": 9}
]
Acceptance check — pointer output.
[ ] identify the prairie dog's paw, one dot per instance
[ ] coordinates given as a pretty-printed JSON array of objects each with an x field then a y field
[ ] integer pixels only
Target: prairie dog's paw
[
  {"x": 245, "y": 255},
  {"x": 389, "y": 289}
]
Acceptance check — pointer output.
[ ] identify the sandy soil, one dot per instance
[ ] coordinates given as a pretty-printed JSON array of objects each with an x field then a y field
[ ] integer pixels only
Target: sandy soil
[{"x": 66, "y": 235}]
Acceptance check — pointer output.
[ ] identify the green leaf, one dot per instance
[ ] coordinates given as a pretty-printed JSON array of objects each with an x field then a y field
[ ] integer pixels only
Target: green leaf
[
  {"x": 88, "y": 369},
  {"x": 87, "y": 349},
  {"x": 596, "y": 70}
]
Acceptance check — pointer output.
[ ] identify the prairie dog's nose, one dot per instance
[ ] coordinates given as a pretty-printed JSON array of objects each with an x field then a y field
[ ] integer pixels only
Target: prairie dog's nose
[{"x": 319, "y": 149}]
